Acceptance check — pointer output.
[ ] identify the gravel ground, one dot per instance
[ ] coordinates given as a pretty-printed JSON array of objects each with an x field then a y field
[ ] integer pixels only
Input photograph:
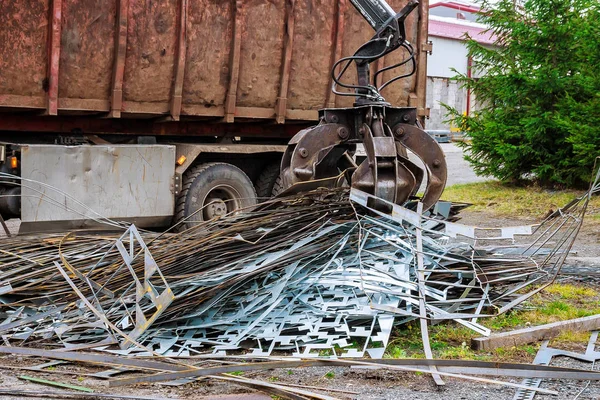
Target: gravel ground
[{"x": 365, "y": 384}]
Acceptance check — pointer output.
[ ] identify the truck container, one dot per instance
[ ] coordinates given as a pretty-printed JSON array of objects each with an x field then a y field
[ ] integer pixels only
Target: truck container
[{"x": 223, "y": 85}]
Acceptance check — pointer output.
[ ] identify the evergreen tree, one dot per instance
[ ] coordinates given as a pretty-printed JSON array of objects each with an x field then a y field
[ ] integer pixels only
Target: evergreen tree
[{"x": 540, "y": 92}]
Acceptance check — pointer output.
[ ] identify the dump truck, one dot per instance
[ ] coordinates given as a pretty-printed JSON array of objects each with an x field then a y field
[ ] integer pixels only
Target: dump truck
[{"x": 157, "y": 111}]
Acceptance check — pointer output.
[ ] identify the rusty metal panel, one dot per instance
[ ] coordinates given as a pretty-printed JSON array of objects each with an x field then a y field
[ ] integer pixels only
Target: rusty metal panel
[
  {"x": 236, "y": 59},
  {"x": 312, "y": 54},
  {"x": 23, "y": 49},
  {"x": 87, "y": 49},
  {"x": 209, "y": 35},
  {"x": 151, "y": 43},
  {"x": 114, "y": 181},
  {"x": 261, "y": 53}
]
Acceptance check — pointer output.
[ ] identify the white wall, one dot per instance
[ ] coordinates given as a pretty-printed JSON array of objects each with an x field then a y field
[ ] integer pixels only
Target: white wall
[
  {"x": 443, "y": 90},
  {"x": 447, "y": 54},
  {"x": 442, "y": 11}
]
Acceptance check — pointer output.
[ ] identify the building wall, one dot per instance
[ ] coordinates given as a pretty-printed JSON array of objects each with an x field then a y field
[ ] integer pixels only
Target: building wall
[
  {"x": 442, "y": 11},
  {"x": 441, "y": 90},
  {"x": 447, "y": 54}
]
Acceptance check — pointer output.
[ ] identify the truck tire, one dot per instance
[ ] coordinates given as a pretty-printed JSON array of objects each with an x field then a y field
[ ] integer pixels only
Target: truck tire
[
  {"x": 266, "y": 181},
  {"x": 278, "y": 186},
  {"x": 214, "y": 188}
]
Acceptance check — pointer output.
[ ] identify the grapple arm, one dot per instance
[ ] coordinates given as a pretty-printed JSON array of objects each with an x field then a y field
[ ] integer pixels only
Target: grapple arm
[{"x": 388, "y": 133}]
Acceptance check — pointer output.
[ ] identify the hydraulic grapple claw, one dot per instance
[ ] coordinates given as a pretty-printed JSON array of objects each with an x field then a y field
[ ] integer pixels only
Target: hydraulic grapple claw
[{"x": 388, "y": 135}]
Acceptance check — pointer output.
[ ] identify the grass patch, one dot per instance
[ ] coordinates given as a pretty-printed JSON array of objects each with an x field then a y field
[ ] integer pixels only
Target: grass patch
[
  {"x": 569, "y": 292},
  {"x": 558, "y": 302},
  {"x": 514, "y": 201},
  {"x": 578, "y": 337},
  {"x": 524, "y": 352},
  {"x": 449, "y": 340},
  {"x": 462, "y": 352}
]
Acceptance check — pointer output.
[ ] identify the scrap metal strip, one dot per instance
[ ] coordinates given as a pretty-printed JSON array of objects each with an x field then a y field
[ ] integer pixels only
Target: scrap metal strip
[
  {"x": 412, "y": 365},
  {"x": 422, "y": 307}
]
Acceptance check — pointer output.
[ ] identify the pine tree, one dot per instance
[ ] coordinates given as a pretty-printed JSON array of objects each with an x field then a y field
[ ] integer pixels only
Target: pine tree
[{"x": 540, "y": 92}]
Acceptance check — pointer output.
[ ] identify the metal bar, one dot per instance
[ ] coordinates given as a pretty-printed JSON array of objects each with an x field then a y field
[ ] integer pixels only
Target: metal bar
[
  {"x": 57, "y": 384},
  {"x": 177, "y": 95},
  {"x": 61, "y": 394},
  {"x": 449, "y": 374},
  {"x": 54, "y": 56},
  {"x": 477, "y": 367},
  {"x": 286, "y": 65},
  {"x": 279, "y": 390},
  {"x": 93, "y": 358},
  {"x": 422, "y": 307},
  {"x": 422, "y": 46},
  {"x": 116, "y": 99},
  {"x": 338, "y": 32},
  {"x": 320, "y": 388},
  {"x": 234, "y": 65}
]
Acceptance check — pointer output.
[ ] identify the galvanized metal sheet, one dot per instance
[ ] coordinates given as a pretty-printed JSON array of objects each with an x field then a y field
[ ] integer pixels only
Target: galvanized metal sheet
[{"x": 87, "y": 182}]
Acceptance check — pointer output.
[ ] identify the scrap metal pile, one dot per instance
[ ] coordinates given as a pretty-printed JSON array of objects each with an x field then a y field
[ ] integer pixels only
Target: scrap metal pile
[{"x": 312, "y": 274}]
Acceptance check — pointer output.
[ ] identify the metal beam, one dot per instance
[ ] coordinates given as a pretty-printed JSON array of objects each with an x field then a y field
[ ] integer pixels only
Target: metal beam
[
  {"x": 177, "y": 93},
  {"x": 116, "y": 100},
  {"x": 423, "y": 47},
  {"x": 54, "y": 56},
  {"x": 535, "y": 333},
  {"x": 234, "y": 64},
  {"x": 288, "y": 46},
  {"x": 338, "y": 32}
]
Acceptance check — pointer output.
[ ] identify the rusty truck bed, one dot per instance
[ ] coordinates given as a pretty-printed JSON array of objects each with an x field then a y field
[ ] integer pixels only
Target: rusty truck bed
[{"x": 149, "y": 62}]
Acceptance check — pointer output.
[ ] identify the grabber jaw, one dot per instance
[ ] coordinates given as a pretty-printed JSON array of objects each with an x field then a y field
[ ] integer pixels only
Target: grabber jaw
[{"x": 323, "y": 153}]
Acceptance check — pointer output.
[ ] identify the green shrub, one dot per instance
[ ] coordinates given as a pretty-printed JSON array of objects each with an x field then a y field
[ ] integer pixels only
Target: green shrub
[{"x": 540, "y": 95}]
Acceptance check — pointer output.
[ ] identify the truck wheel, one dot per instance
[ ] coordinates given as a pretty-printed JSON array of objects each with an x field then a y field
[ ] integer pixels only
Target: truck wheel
[
  {"x": 215, "y": 189},
  {"x": 278, "y": 186},
  {"x": 266, "y": 181}
]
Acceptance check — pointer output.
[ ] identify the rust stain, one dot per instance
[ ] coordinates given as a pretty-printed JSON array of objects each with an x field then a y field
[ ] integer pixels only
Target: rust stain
[
  {"x": 23, "y": 54},
  {"x": 169, "y": 61},
  {"x": 151, "y": 49},
  {"x": 209, "y": 32}
]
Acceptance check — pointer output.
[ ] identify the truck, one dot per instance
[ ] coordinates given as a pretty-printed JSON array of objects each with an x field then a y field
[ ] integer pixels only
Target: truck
[{"x": 158, "y": 111}]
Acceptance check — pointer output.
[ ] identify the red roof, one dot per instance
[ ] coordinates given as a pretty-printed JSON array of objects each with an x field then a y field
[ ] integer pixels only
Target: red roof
[
  {"x": 457, "y": 6},
  {"x": 457, "y": 30}
]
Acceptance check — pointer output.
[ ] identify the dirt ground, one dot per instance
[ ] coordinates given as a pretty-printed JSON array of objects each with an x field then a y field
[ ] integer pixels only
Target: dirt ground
[{"x": 365, "y": 384}]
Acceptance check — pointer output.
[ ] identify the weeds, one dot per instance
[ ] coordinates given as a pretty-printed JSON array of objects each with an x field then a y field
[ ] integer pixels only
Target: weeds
[
  {"x": 516, "y": 352},
  {"x": 572, "y": 337},
  {"x": 450, "y": 340},
  {"x": 571, "y": 292},
  {"x": 512, "y": 201}
]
